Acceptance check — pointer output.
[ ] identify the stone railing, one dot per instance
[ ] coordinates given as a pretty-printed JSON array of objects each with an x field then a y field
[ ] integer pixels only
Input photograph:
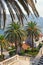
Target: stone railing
[
  {"x": 24, "y": 58},
  {"x": 14, "y": 59},
  {"x": 8, "y": 61},
  {"x": 20, "y": 59}
]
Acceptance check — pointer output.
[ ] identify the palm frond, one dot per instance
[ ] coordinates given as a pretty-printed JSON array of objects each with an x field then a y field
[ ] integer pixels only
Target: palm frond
[
  {"x": 32, "y": 5},
  {"x": 4, "y": 13},
  {"x": 15, "y": 6}
]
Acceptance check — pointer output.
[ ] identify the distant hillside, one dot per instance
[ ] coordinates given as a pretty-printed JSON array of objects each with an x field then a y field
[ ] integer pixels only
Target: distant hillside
[
  {"x": 39, "y": 21},
  {"x": 31, "y": 17},
  {"x": 1, "y": 32}
]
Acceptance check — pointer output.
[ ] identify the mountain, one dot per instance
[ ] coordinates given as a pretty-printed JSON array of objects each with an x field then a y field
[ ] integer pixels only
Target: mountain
[
  {"x": 38, "y": 20},
  {"x": 1, "y": 31}
]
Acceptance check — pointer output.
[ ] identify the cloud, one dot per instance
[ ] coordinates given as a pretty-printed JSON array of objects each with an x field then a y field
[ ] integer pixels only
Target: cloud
[{"x": 39, "y": 7}]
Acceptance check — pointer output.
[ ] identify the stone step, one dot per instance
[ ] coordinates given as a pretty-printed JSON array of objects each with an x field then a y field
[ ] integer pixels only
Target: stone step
[
  {"x": 41, "y": 61},
  {"x": 40, "y": 64},
  {"x": 41, "y": 58}
]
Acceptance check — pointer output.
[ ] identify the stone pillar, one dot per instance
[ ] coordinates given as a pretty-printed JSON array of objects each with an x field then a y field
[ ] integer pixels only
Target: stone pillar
[{"x": 17, "y": 57}]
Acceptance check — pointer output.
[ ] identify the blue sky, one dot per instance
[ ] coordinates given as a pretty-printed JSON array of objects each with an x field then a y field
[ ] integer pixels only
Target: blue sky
[{"x": 39, "y": 7}]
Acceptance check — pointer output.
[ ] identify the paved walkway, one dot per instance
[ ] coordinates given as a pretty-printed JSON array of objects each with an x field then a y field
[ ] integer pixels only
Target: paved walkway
[{"x": 21, "y": 62}]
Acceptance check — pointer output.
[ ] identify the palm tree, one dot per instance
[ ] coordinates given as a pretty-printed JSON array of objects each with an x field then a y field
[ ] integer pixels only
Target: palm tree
[
  {"x": 14, "y": 5},
  {"x": 3, "y": 43},
  {"x": 14, "y": 34},
  {"x": 33, "y": 31}
]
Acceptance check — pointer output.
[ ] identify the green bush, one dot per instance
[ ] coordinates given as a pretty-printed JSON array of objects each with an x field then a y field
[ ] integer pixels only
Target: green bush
[
  {"x": 12, "y": 52},
  {"x": 40, "y": 45},
  {"x": 1, "y": 57},
  {"x": 11, "y": 48},
  {"x": 28, "y": 50},
  {"x": 33, "y": 53},
  {"x": 22, "y": 52},
  {"x": 36, "y": 49}
]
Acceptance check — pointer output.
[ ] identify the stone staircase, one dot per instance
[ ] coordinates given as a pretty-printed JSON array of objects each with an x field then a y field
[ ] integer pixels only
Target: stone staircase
[
  {"x": 40, "y": 61},
  {"x": 38, "y": 57}
]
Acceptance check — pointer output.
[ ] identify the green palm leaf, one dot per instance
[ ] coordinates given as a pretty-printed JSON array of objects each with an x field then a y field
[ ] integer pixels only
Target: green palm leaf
[{"x": 19, "y": 13}]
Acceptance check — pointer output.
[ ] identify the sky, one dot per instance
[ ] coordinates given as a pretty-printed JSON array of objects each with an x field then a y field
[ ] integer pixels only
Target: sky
[{"x": 39, "y": 6}]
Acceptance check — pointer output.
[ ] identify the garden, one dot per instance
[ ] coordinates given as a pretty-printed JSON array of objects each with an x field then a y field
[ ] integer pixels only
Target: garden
[{"x": 14, "y": 34}]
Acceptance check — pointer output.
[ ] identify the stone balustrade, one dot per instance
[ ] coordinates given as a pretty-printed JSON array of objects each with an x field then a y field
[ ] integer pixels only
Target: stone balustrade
[
  {"x": 14, "y": 59},
  {"x": 7, "y": 61}
]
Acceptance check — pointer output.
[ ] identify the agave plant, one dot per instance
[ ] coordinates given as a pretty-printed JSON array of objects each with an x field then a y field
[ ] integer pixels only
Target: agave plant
[{"x": 13, "y": 4}]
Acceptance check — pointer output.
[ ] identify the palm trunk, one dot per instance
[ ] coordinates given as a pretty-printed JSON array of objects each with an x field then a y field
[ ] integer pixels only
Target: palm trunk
[
  {"x": 32, "y": 43},
  {"x": 19, "y": 48},
  {"x": 16, "y": 46},
  {"x": 0, "y": 16},
  {"x": 1, "y": 50}
]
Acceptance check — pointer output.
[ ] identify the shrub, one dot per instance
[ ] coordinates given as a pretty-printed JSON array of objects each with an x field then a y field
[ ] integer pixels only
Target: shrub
[
  {"x": 1, "y": 57},
  {"x": 36, "y": 49},
  {"x": 13, "y": 47},
  {"x": 22, "y": 52},
  {"x": 33, "y": 53},
  {"x": 12, "y": 52},
  {"x": 28, "y": 50},
  {"x": 9, "y": 49},
  {"x": 40, "y": 45}
]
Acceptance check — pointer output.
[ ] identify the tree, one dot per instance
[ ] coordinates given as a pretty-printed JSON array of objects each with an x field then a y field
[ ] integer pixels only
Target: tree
[
  {"x": 13, "y": 5},
  {"x": 14, "y": 34},
  {"x": 3, "y": 43},
  {"x": 33, "y": 31}
]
